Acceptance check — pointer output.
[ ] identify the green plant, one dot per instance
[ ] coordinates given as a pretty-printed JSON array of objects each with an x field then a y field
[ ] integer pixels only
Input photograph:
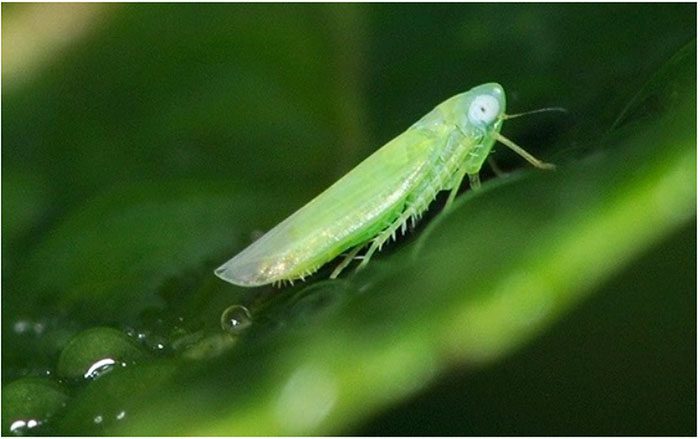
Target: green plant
[{"x": 155, "y": 146}]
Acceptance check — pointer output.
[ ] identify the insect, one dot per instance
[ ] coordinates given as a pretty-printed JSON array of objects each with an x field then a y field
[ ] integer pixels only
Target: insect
[{"x": 377, "y": 199}]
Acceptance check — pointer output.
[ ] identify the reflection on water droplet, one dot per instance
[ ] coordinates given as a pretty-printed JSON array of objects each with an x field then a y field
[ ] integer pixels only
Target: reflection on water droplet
[
  {"x": 17, "y": 425},
  {"x": 99, "y": 367},
  {"x": 121, "y": 415},
  {"x": 306, "y": 399},
  {"x": 235, "y": 319},
  {"x": 98, "y": 419},
  {"x": 20, "y": 426},
  {"x": 156, "y": 342}
]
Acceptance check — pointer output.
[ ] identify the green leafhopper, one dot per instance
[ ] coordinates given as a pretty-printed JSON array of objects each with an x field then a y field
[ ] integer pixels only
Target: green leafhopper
[{"x": 377, "y": 198}]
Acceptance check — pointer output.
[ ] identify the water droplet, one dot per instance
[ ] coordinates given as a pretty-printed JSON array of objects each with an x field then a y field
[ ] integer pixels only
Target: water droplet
[
  {"x": 27, "y": 327},
  {"x": 236, "y": 319},
  {"x": 30, "y": 401},
  {"x": 98, "y": 419},
  {"x": 20, "y": 327},
  {"x": 39, "y": 328},
  {"x": 121, "y": 415},
  {"x": 96, "y": 350}
]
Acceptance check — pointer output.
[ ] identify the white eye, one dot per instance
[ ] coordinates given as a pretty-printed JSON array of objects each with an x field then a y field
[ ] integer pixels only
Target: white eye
[{"x": 484, "y": 109}]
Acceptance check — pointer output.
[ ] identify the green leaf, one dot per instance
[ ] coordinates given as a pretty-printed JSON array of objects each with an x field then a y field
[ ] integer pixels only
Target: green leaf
[
  {"x": 162, "y": 141},
  {"x": 484, "y": 278},
  {"x": 114, "y": 254}
]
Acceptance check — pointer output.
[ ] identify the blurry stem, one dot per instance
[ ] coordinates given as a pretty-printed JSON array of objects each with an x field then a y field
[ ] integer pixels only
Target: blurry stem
[{"x": 348, "y": 40}]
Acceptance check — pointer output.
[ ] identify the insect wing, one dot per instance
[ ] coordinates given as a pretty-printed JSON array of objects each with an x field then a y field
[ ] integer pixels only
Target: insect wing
[{"x": 346, "y": 214}]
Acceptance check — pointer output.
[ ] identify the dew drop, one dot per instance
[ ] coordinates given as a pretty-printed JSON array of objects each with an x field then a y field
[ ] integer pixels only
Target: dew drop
[
  {"x": 96, "y": 350},
  {"x": 27, "y": 327},
  {"x": 20, "y": 327},
  {"x": 30, "y": 401},
  {"x": 39, "y": 328},
  {"x": 236, "y": 319}
]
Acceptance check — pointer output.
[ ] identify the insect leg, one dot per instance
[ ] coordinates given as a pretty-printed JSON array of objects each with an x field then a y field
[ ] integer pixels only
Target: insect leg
[
  {"x": 384, "y": 236},
  {"x": 474, "y": 181},
  {"x": 348, "y": 258},
  {"x": 455, "y": 188},
  {"x": 496, "y": 169}
]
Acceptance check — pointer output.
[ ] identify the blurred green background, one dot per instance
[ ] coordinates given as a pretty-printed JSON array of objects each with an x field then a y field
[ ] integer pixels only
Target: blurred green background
[{"x": 143, "y": 145}]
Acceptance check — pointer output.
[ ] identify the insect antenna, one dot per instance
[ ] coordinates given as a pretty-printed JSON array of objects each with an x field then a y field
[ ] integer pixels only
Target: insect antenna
[{"x": 539, "y": 110}]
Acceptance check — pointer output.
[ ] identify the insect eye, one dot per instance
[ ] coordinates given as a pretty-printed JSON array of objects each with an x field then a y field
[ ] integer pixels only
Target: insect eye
[{"x": 484, "y": 109}]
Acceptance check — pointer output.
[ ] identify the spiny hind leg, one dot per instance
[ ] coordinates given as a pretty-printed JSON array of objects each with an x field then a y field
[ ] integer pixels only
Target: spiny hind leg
[
  {"x": 384, "y": 236},
  {"x": 346, "y": 261}
]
